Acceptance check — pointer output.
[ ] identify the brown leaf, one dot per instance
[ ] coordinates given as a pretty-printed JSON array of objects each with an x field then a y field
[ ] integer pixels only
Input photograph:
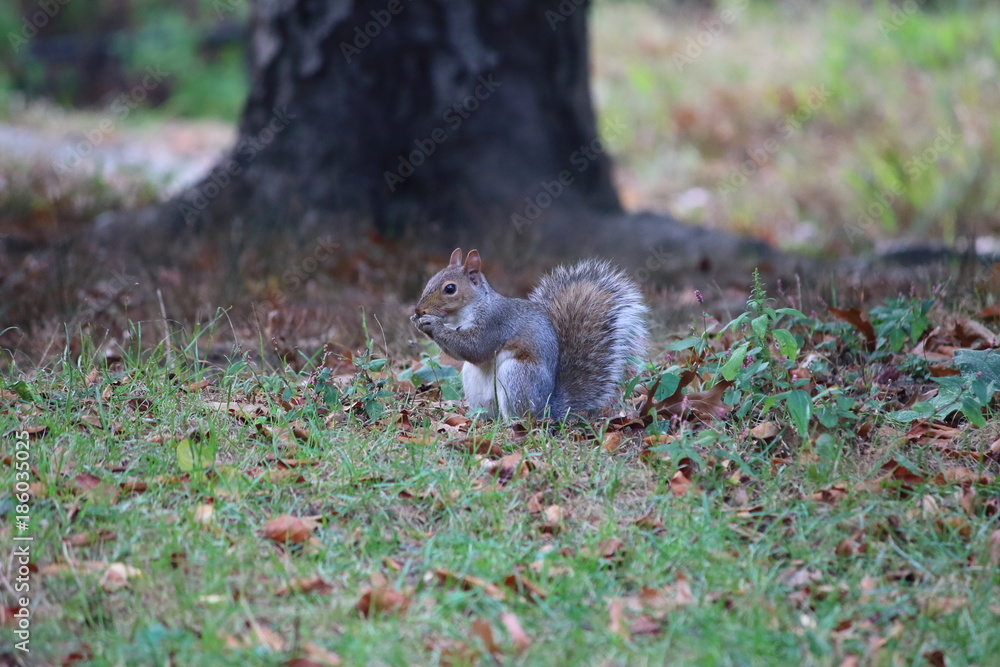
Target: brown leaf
[
  {"x": 553, "y": 519},
  {"x": 517, "y": 634},
  {"x": 612, "y": 441},
  {"x": 457, "y": 421},
  {"x": 382, "y": 599},
  {"x": 644, "y": 625},
  {"x": 478, "y": 444},
  {"x": 481, "y": 628},
  {"x": 679, "y": 484},
  {"x": 314, "y": 584},
  {"x": 896, "y": 474},
  {"x": 509, "y": 466},
  {"x": 287, "y": 529},
  {"x": 467, "y": 582},
  {"x": 610, "y": 549},
  {"x": 87, "y": 538},
  {"x": 935, "y": 658},
  {"x": 834, "y": 494},
  {"x": 995, "y": 547},
  {"x": 859, "y": 321},
  {"x": 851, "y": 546},
  {"x": 650, "y": 521},
  {"x": 117, "y": 576},
  {"x": 765, "y": 431},
  {"x": 616, "y": 618},
  {"x": 523, "y": 587},
  {"x": 534, "y": 504},
  {"x": 85, "y": 481}
]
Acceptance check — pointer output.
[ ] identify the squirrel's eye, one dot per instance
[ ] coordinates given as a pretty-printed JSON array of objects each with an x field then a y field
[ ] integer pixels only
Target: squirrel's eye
[{"x": 450, "y": 288}]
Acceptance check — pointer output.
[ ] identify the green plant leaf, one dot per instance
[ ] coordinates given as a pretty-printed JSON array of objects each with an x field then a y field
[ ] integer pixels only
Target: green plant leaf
[
  {"x": 759, "y": 325},
  {"x": 981, "y": 369},
  {"x": 800, "y": 410},
  {"x": 732, "y": 367},
  {"x": 191, "y": 458},
  {"x": 787, "y": 344}
]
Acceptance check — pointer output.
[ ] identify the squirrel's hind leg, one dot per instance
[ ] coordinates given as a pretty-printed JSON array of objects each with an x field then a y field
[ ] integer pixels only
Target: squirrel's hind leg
[{"x": 523, "y": 387}]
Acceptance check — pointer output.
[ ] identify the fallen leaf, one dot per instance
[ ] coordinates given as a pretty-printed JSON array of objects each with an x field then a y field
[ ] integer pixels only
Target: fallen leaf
[
  {"x": 610, "y": 549},
  {"x": 382, "y": 599},
  {"x": 203, "y": 514},
  {"x": 859, "y": 321},
  {"x": 523, "y": 587},
  {"x": 679, "y": 484},
  {"x": 644, "y": 625},
  {"x": 765, "y": 431},
  {"x": 117, "y": 576},
  {"x": 553, "y": 519},
  {"x": 466, "y": 582},
  {"x": 87, "y": 538},
  {"x": 935, "y": 658},
  {"x": 517, "y": 634},
  {"x": 834, "y": 494},
  {"x": 995, "y": 547},
  {"x": 481, "y": 628},
  {"x": 314, "y": 584},
  {"x": 287, "y": 529},
  {"x": 612, "y": 441}
]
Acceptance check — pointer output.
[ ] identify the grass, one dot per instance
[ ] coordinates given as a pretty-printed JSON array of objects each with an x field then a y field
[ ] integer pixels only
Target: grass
[{"x": 711, "y": 543}]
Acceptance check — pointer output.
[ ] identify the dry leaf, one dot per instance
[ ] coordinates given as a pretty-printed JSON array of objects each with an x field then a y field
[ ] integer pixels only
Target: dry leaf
[
  {"x": 522, "y": 586},
  {"x": 995, "y": 547},
  {"x": 765, "y": 431},
  {"x": 117, "y": 576},
  {"x": 859, "y": 321},
  {"x": 382, "y": 599},
  {"x": 287, "y": 529},
  {"x": 517, "y": 634},
  {"x": 832, "y": 495},
  {"x": 314, "y": 584},
  {"x": 612, "y": 441},
  {"x": 481, "y": 628},
  {"x": 87, "y": 538},
  {"x": 466, "y": 582}
]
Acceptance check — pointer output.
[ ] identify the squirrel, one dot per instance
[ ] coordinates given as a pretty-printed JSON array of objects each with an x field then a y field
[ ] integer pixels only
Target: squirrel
[{"x": 565, "y": 349}]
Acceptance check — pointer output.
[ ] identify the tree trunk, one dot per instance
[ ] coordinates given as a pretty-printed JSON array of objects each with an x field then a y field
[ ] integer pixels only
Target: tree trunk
[{"x": 451, "y": 117}]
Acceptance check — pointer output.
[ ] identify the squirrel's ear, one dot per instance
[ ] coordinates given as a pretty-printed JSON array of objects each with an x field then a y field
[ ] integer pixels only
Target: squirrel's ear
[
  {"x": 473, "y": 266},
  {"x": 456, "y": 257}
]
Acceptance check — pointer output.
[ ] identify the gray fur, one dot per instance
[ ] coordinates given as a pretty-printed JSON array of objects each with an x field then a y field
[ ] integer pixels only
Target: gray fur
[{"x": 598, "y": 346}]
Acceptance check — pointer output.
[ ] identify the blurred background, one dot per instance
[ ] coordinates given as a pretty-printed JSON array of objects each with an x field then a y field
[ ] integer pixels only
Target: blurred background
[{"x": 822, "y": 127}]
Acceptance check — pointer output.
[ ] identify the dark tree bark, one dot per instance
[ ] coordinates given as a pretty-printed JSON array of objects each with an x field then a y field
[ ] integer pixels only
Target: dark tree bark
[{"x": 448, "y": 115}]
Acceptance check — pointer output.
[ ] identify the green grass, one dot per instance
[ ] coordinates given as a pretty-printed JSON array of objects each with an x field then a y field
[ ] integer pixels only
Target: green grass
[{"x": 771, "y": 578}]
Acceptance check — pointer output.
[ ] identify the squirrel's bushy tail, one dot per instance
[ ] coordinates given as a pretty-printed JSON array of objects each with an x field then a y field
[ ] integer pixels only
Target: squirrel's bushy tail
[{"x": 599, "y": 318}]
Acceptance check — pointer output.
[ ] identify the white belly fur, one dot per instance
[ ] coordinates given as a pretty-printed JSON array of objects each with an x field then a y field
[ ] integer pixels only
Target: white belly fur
[{"x": 482, "y": 391}]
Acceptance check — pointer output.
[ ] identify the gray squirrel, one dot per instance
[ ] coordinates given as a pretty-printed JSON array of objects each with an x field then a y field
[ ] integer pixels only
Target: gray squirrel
[{"x": 565, "y": 349}]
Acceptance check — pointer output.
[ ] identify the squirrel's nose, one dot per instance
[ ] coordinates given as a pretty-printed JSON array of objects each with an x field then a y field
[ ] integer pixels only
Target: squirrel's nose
[{"x": 419, "y": 311}]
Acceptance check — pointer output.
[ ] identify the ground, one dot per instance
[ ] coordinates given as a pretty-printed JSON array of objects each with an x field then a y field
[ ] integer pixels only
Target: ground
[{"x": 253, "y": 457}]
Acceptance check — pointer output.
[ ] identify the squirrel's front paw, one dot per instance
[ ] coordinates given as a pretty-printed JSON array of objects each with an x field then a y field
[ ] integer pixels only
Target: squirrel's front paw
[{"x": 425, "y": 322}]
